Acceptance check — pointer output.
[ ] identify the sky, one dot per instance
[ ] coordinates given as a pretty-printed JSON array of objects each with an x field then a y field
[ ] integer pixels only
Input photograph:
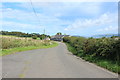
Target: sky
[{"x": 72, "y": 18}]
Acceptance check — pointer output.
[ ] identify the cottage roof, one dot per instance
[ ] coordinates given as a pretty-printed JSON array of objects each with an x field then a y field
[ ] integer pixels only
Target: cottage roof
[{"x": 59, "y": 36}]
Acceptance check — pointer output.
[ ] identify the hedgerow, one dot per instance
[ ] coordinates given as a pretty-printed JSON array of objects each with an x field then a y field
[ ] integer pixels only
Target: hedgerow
[{"x": 95, "y": 49}]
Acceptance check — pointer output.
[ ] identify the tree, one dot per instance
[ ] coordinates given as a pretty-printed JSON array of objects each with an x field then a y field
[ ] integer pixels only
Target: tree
[
  {"x": 34, "y": 37},
  {"x": 59, "y": 33},
  {"x": 43, "y": 36}
]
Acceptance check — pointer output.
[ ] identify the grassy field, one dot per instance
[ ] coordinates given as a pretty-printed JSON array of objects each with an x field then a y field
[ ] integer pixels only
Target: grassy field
[{"x": 11, "y": 44}]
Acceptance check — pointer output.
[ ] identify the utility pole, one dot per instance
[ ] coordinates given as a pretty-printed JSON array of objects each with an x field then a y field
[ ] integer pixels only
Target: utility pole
[{"x": 44, "y": 31}]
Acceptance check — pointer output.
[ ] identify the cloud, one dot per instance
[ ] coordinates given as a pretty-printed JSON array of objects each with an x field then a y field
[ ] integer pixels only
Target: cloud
[
  {"x": 21, "y": 15},
  {"x": 20, "y": 26},
  {"x": 108, "y": 29},
  {"x": 64, "y": 8},
  {"x": 104, "y": 19},
  {"x": 63, "y": 17},
  {"x": 25, "y": 17},
  {"x": 20, "y": 20},
  {"x": 49, "y": 12},
  {"x": 61, "y": 1}
]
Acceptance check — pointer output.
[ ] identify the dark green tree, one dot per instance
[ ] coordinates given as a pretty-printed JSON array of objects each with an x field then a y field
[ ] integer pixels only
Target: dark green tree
[
  {"x": 34, "y": 37},
  {"x": 59, "y": 33}
]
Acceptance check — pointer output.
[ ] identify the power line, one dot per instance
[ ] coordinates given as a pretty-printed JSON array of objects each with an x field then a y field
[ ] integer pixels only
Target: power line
[{"x": 34, "y": 11}]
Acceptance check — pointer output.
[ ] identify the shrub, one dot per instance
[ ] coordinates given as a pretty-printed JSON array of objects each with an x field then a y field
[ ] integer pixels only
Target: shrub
[
  {"x": 104, "y": 48},
  {"x": 34, "y": 37},
  {"x": 102, "y": 51}
]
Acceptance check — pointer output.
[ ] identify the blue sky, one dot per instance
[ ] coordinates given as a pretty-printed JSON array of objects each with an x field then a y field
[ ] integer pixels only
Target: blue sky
[{"x": 73, "y": 18}]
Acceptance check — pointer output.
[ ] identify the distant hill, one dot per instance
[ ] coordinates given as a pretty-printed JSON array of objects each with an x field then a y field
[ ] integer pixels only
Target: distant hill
[
  {"x": 77, "y": 36},
  {"x": 104, "y": 35}
]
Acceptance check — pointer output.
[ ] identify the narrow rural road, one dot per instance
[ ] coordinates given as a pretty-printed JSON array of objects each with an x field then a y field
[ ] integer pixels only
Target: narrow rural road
[{"x": 54, "y": 62}]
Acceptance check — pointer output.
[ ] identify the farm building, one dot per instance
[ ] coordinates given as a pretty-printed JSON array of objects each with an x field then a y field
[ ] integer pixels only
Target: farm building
[
  {"x": 58, "y": 37},
  {"x": 47, "y": 38}
]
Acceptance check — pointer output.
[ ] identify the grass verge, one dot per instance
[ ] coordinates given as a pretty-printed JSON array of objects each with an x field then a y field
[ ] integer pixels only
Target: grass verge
[
  {"x": 107, "y": 64},
  {"x": 19, "y": 49}
]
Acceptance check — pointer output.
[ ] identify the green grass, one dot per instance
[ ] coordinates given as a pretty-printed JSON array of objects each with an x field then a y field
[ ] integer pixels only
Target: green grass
[
  {"x": 70, "y": 48},
  {"x": 110, "y": 65},
  {"x": 19, "y": 49},
  {"x": 107, "y": 64}
]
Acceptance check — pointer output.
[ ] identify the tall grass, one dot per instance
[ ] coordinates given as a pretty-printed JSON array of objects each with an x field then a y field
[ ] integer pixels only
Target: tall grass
[{"x": 11, "y": 44}]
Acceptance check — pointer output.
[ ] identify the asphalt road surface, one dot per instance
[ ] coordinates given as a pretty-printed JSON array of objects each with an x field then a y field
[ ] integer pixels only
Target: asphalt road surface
[{"x": 55, "y": 62}]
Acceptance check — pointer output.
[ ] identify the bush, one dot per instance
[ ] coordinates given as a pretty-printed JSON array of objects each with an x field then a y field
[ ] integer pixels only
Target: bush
[
  {"x": 102, "y": 51},
  {"x": 104, "y": 48},
  {"x": 34, "y": 37}
]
